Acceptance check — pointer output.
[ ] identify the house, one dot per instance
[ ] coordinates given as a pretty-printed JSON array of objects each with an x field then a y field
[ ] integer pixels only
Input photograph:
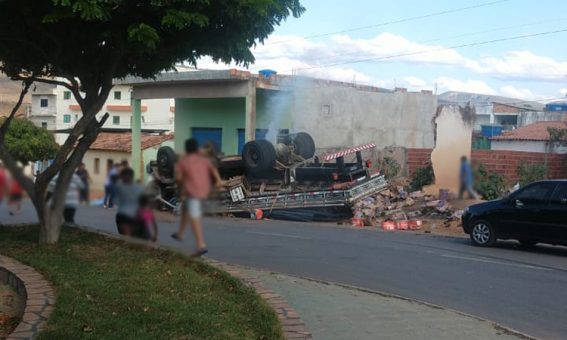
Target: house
[
  {"x": 53, "y": 107},
  {"x": 111, "y": 148},
  {"x": 508, "y": 113},
  {"x": 230, "y": 107},
  {"x": 531, "y": 138}
]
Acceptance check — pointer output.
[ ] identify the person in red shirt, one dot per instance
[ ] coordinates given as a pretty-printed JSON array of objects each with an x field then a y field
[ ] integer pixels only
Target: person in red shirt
[
  {"x": 3, "y": 182},
  {"x": 16, "y": 193},
  {"x": 194, "y": 174}
]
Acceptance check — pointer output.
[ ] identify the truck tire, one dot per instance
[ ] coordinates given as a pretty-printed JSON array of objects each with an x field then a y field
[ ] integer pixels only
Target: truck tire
[
  {"x": 166, "y": 161},
  {"x": 304, "y": 145},
  {"x": 258, "y": 156}
]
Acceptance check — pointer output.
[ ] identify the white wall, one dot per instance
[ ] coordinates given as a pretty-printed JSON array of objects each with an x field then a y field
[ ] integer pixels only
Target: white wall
[
  {"x": 516, "y": 145},
  {"x": 99, "y": 178},
  {"x": 358, "y": 117}
]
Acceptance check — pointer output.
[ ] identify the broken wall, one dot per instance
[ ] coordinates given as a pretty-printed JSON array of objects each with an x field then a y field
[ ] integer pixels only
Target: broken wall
[{"x": 453, "y": 138}]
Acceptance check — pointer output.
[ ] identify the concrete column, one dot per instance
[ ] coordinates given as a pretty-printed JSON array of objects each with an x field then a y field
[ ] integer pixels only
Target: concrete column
[
  {"x": 250, "y": 118},
  {"x": 136, "y": 139}
]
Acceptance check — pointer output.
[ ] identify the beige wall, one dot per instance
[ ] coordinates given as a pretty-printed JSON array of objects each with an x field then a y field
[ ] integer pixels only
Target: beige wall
[{"x": 97, "y": 184}]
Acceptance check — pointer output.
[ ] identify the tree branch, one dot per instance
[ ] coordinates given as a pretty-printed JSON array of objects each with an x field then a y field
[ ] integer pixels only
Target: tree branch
[{"x": 6, "y": 124}]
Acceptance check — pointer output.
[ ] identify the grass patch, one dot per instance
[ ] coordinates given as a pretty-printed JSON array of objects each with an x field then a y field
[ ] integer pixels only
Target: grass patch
[{"x": 108, "y": 289}]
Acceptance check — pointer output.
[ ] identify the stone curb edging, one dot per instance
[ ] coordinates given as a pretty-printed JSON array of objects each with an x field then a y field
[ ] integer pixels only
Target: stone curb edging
[
  {"x": 293, "y": 327},
  {"x": 37, "y": 292}
]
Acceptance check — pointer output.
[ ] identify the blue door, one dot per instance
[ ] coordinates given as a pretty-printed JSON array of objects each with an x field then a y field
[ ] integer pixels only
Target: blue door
[
  {"x": 205, "y": 135},
  {"x": 260, "y": 134}
]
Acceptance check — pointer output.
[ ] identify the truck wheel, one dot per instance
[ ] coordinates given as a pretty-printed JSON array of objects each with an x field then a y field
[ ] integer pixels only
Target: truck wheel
[
  {"x": 258, "y": 156},
  {"x": 166, "y": 161},
  {"x": 304, "y": 145}
]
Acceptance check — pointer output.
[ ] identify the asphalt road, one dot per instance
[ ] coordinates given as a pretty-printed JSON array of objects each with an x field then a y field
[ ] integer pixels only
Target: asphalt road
[{"x": 521, "y": 289}]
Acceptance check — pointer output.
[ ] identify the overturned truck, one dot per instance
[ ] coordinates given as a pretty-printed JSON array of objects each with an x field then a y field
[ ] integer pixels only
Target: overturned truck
[{"x": 286, "y": 179}]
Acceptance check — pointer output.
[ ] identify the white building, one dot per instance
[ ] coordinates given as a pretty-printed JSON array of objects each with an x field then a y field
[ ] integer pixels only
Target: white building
[{"x": 54, "y": 108}]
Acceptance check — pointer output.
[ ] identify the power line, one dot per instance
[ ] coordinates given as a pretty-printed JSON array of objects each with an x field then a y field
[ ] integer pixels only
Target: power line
[
  {"x": 406, "y": 54},
  {"x": 445, "y": 38},
  {"x": 398, "y": 21}
]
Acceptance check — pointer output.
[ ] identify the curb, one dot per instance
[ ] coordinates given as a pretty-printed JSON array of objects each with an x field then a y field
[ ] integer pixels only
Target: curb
[
  {"x": 37, "y": 291},
  {"x": 292, "y": 325}
]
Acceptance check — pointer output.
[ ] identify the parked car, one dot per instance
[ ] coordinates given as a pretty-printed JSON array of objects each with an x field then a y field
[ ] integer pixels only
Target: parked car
[{"x": 534, "y": 214}]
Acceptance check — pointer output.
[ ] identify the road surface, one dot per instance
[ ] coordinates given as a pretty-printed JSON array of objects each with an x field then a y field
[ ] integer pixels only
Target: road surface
[{"x": 520, "y": 289}]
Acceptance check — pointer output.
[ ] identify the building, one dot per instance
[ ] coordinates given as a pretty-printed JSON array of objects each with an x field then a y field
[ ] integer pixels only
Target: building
[
  {"x": 111, "y": 148},
  {"x": 531, "y": 138},
  {"x": 54, "y": 108},
  {"x": 230, "y": 107},
  {"x": 505, "y": 112}
]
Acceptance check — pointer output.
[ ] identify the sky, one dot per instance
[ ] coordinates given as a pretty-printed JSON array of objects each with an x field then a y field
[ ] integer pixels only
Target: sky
[{"x": 515, "y": 49}]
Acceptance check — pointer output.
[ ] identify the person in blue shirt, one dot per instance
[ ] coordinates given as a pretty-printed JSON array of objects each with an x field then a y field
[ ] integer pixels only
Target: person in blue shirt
[{"x": 466, "y": 179}]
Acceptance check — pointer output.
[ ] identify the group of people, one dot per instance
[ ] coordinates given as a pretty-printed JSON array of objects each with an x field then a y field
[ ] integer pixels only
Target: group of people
[
  {"x": 11, "y": 188},
  {"x": 195, "y": 173}
]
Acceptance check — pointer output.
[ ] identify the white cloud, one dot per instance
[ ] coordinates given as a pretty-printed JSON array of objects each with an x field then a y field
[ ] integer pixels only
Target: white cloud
[
  {"x": 511, "y": 91},
  {"x": 563, "y": 91},
  {"x": 414, "y": 82},
  {"x": 451, "y": 84}
]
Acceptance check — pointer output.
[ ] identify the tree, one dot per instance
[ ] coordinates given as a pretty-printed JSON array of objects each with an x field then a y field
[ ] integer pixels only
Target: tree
[
  {"x": 26, "y": 142},
  {"x": 84, "y": 44}
]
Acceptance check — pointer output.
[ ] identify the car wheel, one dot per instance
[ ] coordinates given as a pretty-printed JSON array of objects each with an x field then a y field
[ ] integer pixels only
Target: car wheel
[
  {"x": 527, "y": 243},
  {"x": 482, "y": 234},
  {"x": 258, "y": 156},
  {"x": 304, "y": 145}
]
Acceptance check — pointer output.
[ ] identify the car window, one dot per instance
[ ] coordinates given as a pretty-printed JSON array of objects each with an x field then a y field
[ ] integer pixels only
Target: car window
[
  {"x": 559, "y": 195},
  {"x": 535, "y": 194}
]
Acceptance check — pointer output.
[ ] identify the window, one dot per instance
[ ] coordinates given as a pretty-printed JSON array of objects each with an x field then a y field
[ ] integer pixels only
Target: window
[
  {"x": 117, "y": 95},
  {"x": 67, "y": 95},
  {"x": 66, "y": 118},
  {"x": 559, "y": 195},
  {"x": 116, "y": 120},
  {"x": 534, "y": 194},
  {"x": 97, "y": 166},
  {"x": 44, "y": 125},
  {"x": 43, "y": 102},
  {"x": 326, "y": 110}
]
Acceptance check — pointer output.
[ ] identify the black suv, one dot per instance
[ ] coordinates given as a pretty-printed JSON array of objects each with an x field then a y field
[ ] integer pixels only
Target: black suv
[{"x": 535, "y": 213}]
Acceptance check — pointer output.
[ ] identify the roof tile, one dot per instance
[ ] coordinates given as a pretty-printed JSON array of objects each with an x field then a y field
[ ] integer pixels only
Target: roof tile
[
  {"x": 534, "y": 132},
  {"x": 122, "y": 142}
]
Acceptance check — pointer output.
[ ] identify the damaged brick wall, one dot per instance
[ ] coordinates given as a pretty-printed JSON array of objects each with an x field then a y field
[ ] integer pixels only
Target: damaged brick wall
[{"x": 503, "y": 162}]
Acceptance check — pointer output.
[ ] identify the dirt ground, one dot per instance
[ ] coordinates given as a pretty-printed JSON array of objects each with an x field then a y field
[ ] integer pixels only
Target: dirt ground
[{"x": 11, "y": 310}]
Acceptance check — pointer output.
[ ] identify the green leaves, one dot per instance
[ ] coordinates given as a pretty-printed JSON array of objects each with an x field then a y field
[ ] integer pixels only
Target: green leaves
[
  {"x": 28, "y": 143},
  {"x": 180, "y": 19},
  {"x": 144, "y": 35}
]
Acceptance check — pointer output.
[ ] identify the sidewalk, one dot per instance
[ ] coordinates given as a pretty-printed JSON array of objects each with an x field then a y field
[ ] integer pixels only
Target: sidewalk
[{"x": 334, "y": 312}]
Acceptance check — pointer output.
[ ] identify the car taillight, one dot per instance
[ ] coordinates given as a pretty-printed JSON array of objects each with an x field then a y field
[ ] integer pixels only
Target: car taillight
[{"x": 335, "y": 176}]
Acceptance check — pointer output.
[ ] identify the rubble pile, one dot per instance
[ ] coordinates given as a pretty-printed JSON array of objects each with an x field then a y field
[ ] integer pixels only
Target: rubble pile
[{"x": 397, "y": 209}]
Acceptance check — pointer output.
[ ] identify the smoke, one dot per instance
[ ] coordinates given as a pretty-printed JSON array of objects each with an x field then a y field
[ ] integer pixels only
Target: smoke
[{"x": 279, "y": 106}]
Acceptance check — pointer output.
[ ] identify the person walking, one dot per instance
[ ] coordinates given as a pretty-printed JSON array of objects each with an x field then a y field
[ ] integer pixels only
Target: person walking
[
  {"x": 466, "y": 179},
  {"x": 3, "y": 182},
  {"x": 83, "y": 174},
  {"x": 16, "y": 193},
  {"x": 127, "y": 196},
  {"x": 72, "y": 197},
  {"x": 109, "y": 186},
  {"x": 194, "y": 173}
]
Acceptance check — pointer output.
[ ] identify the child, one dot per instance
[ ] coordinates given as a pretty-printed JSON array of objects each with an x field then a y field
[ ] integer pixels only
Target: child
[{"x": 148, "y": 225}]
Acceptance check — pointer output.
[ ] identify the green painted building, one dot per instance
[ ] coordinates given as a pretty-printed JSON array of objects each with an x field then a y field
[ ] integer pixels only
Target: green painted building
[{"x": 223, "y": 120}]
